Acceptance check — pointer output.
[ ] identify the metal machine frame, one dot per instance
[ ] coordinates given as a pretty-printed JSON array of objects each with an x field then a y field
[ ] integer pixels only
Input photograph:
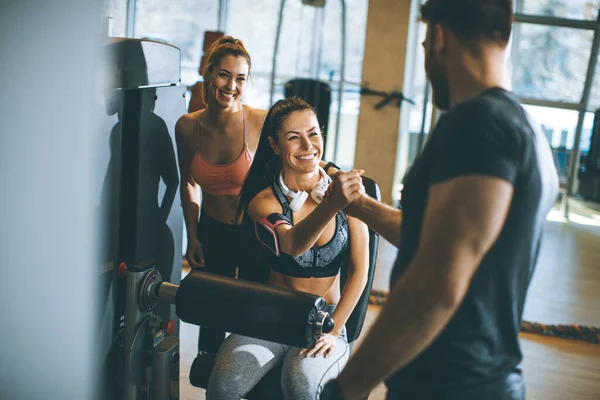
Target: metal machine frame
[{"x": 151, "y": 355}]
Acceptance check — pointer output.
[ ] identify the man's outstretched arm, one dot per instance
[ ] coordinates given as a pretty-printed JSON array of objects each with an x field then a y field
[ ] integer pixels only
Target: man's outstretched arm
[
  {"x": 383, "y": 219},
  {"x": 463, "y": 219}
]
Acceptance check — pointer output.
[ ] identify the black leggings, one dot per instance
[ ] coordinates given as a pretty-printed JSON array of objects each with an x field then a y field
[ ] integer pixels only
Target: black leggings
[{"x": 226, "y": 249}]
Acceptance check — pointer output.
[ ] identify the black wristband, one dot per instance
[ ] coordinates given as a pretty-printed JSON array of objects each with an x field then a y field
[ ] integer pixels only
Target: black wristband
[
  {"x": 331, "y": 391},
  {"x": 329, "y": 165}
]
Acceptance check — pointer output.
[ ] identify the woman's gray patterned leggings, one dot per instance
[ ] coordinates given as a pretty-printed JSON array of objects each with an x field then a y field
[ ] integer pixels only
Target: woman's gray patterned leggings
[{"x": 242, "y": 362}]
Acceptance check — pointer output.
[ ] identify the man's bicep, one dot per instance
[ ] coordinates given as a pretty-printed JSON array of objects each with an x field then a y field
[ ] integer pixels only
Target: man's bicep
[{"x": 463, "y": 219}]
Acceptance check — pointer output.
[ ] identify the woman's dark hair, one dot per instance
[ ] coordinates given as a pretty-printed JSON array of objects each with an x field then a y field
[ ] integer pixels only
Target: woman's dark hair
[
  {"x": 267, "y": 165},
  {"x": 221, "y": 48}
]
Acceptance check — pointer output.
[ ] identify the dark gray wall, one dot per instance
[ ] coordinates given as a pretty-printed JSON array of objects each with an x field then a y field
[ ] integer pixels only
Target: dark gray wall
[{"x": 47, "y": 77}]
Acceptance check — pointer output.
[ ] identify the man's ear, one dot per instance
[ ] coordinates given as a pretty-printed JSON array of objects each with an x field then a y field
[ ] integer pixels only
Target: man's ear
[
  {"x": 274, "y": 145},
  {"x": 440, "y": 39}
]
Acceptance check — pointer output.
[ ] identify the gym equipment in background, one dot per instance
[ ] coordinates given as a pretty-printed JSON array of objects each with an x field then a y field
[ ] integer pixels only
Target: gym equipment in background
[
  {"x": 314, "y": 92},
  {"x": 589, "y": 172},
  {"x": 319, "y": 95},
  {"x": 142, "y": 299},
  {"x": 150, "y": 358},
  {"x": 138, "y": 215}
]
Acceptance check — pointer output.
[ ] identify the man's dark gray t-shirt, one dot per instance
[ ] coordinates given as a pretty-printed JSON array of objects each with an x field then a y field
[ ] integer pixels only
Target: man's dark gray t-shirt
[{"x": 490, "y": 135}]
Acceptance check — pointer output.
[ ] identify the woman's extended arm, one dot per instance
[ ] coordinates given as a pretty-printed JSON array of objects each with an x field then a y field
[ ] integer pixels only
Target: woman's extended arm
[{"x": 299, "y": 238}]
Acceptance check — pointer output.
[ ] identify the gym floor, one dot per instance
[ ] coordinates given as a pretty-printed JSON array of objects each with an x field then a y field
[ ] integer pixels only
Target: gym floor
[{"x": 565, "y": 290}]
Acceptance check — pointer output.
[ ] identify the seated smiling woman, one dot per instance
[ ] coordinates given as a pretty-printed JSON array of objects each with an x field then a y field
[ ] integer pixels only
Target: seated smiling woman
[{"x": 284, "y": 189}]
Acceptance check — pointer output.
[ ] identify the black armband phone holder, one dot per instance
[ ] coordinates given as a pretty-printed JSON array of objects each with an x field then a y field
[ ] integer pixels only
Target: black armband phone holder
[{"x": 266, "y": 233}]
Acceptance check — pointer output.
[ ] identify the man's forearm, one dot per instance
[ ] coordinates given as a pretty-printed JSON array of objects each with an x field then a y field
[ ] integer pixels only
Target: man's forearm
[
  {"x": 383, "y": 219},
  {"x": 416, "y": 311}
]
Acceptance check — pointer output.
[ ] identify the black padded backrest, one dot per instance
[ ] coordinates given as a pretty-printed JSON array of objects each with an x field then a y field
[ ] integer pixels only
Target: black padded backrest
[{"x": 357, "y": 318}]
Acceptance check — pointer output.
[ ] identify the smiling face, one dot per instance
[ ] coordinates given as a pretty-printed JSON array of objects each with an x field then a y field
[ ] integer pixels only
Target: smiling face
[
  {"x": 299, "y": 142},
  {"x": 228, "y": 80}
]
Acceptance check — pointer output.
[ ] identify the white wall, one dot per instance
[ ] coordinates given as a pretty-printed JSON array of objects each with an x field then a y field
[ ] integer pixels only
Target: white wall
[{"x": 47, "y": 289}]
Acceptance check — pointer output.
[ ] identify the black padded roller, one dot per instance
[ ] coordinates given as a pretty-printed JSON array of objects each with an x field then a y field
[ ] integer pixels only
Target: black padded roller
[{"x": 250, "y": 309}]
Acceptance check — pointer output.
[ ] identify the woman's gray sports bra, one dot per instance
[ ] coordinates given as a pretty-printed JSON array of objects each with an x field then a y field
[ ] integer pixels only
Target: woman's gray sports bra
[{"x": 317, "y": 262}]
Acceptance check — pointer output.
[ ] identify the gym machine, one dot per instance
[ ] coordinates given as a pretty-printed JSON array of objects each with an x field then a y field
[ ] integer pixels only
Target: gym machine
[
  {"x": 142, "y": 294},
  {"x": 269, "y": 387},
  {"x": 137, "y": 215},
  {"x": 141, "y": 234},
  {"x": 589, "y": 170},
  {"x": 151, "y": 356}
]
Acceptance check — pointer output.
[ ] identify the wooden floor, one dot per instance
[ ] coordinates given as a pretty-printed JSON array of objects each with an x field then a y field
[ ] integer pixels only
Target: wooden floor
[{"x": 565, "y": 289}]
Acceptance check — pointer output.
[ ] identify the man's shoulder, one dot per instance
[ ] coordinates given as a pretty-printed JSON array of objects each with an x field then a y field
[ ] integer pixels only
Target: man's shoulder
[
  {"x": 490, "y": 106},
  {"x": 497, "y": 113}
]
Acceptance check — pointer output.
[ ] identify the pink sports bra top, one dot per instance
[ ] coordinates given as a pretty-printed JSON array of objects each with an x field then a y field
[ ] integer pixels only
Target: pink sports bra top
[{"x": 222, "y": 179}]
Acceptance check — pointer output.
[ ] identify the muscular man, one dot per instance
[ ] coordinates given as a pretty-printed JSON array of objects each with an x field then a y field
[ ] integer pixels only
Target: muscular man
[{"x": 468, "y": 234}]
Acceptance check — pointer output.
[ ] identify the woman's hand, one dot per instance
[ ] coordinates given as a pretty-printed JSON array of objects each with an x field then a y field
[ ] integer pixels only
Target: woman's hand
[
  {"x": 323, "y": 347},
  {"x": 346, "y": 188},
  {"x": 193, "y": 254}
]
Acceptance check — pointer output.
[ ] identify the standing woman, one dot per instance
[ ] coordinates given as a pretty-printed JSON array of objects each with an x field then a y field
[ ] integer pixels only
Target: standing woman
[{"x": 216, "y": 147}]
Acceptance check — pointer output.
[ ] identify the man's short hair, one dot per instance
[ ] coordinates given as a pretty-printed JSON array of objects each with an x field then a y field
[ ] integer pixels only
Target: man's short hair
[{"x": 473, "y": 21}]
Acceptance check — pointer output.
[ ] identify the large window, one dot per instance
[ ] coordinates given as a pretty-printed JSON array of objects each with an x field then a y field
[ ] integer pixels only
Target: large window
[
  {"x": 420, "y": 92},
  {"x": 256, "y": 24},
  {"x": 330, "y": 68},
  {"x": 571, "y": 9},
  {"x": 559, "y": 126},
  {"x": 551, "y": 46},
  {"x": 309, "y": 47},
  {"x": 356, "y": 25},
  {"x": 551, "y": 62},
  {"x": 181, "y": 23},
  {"x": 415, "y": 120},
  {"x": 117, "y": 11}
]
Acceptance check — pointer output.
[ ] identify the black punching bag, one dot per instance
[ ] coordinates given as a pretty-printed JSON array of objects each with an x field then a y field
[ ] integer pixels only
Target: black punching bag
[{"x": 315, "y": 93}]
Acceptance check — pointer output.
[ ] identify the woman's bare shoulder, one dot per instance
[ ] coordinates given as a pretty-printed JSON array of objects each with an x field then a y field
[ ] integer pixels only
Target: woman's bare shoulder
[
  {"x": 263, "y": 204},
  {"x": 188, "y": 122},
  {"x": 187, "y": 127},
  {"x": 257, "y": 114}
]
